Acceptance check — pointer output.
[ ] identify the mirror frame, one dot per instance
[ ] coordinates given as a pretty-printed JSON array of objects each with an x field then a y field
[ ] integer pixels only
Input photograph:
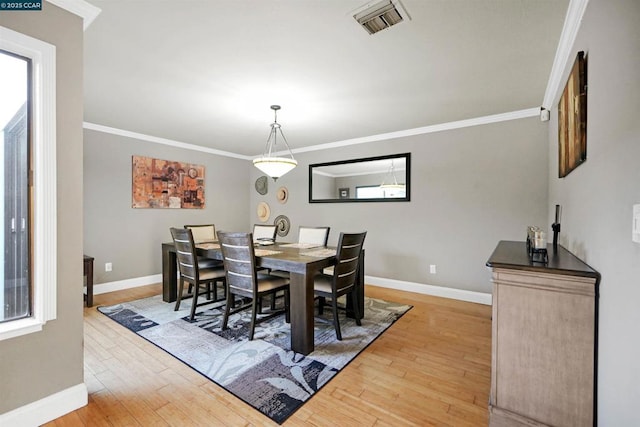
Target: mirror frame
[{"x": 407, "y": 198}]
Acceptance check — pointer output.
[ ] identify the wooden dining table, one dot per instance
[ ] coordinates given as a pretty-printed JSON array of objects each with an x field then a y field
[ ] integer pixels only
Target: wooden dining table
[{"x": 302, "y": 267}]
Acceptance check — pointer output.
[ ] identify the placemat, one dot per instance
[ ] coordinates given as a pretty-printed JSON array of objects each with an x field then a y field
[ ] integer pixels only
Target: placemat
[
  {"x": 266, "y": 252},
  {"x": 301, "y": 245},
  {"x": 208, "y": 246},
  {"x": 320, "y": 253}
]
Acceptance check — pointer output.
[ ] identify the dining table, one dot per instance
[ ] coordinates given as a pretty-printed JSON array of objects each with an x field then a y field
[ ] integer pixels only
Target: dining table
[{"x": 301, "y": 261}]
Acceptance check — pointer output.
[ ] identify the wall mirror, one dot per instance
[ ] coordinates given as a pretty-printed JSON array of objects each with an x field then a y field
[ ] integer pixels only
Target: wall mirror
[{"x": 371, "y": 179}]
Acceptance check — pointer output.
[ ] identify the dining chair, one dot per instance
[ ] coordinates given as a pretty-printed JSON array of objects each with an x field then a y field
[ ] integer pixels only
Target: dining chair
[
  {"x": 245, "y": 281},
  {"x": 200, "y": 280},
  {"x": 343, "y": 280},
  {"x": 264, "y": 231},
  {"x": 204, "y": 233},
  {"x": 313, "y": 235}
]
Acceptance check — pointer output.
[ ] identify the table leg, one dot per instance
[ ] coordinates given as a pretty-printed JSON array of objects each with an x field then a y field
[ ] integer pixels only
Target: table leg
[
  {"x": 302, "y": 339},
  {"x": 169, "y": 274}
]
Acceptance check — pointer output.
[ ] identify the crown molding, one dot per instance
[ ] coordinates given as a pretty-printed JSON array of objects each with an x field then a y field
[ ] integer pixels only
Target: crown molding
[
  {"x": 514, "y": 115},
  {"x": 164, "y": 141},
  {"x": 572, "y": 22},
  {"x": 86, "y": 11}
]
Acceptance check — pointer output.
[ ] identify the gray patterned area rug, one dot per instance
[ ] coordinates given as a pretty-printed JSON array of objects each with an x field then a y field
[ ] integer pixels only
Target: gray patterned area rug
[{"x": 264, "y": 373}]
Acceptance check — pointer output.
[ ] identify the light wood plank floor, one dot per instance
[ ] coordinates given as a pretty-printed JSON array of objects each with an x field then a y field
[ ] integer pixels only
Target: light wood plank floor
[{"x": 432, "y": 367}]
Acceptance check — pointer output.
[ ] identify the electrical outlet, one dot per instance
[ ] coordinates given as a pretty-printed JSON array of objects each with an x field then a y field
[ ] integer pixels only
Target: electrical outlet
[
  {"x": 108, "y": 266},
  {"x": 432, "y": 269}
]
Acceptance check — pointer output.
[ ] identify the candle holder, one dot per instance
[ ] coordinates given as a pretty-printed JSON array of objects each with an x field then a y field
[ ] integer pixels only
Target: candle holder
[
  {"x": 556, "y": 228},
  {"x": 537, "y": 245},
  {"x": 556, "y": 231},
  {"x": 540, "y": 256}
]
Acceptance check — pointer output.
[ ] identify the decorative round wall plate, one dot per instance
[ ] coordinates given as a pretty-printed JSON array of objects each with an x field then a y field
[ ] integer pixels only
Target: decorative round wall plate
[
  {"x": 262, "y": 185},
  {"x": 283, "y": 225},
  {"x": 282, "y": 195},
  {"x": 263, "y": 211}
]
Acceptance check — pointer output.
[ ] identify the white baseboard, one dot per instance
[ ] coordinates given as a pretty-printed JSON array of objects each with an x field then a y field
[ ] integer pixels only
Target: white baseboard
[
  {"x": 119, "y": 285},
  {"x": 420, "y": 288},
  {"x": 438, "y": 291},
  {"x": 47, "y": 409}
]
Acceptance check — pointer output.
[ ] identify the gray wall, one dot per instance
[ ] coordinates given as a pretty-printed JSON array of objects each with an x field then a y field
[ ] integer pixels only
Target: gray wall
[
  {"x": 131, "y": 238},
  {"x": 37, "y": 365},
  {"x": 598, "y": 196},
  {"x": 324, "y": 187},
  {"x": 470, "y": 188}
]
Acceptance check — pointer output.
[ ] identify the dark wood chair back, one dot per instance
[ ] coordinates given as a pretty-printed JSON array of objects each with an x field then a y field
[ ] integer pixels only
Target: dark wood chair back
[
  {"x": 347, "y": 257},
  {"x": 239, "y": 262},
  {"x": 185, "y": 253}
]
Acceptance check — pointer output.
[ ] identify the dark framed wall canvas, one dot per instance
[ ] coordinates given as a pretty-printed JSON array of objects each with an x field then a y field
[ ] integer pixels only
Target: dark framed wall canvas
[
  {"x": 166, "y": 184},
  {"x": 343, "y": 193},
  {"x": 572, "y": 119}
]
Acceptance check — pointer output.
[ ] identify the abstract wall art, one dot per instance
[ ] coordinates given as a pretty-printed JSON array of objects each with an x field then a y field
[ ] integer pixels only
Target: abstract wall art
[{"x": 166, "y": 184}]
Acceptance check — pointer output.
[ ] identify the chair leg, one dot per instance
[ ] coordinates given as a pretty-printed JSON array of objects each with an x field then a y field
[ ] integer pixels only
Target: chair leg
[
  {"x": 227, "y": 309},
  {"x": 215, "y": 289},
  {"x": 321, "y": 302},
  {"x": 215, "y": 294},
  {"x": 356, "y": 307},
  {"x": 194, "y": 300},
  {"x": 254, "y": 313},
  {"x": 336, "y": 322},
  {"x": 179, "y": 296}
]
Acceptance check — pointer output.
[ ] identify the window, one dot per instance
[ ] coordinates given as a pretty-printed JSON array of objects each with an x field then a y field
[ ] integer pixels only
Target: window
[
  {"x": 377, "y": 192},
  {"x": 28, "y": 161},
  {"x": 15, "y": 299}
]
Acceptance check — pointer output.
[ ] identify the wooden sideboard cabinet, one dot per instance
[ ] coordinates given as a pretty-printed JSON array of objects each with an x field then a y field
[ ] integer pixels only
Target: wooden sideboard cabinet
[{"x": 544, "y": 339}]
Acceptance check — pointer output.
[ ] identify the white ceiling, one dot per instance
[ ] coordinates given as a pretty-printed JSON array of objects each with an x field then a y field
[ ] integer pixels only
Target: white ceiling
[{"x": 205, "y": 72}]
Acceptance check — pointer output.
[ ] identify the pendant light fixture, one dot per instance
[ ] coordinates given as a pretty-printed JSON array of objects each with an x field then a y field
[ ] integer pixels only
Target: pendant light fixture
[
  {"x": 390, "y": 181},
  {"x": 269, "y": 163}
]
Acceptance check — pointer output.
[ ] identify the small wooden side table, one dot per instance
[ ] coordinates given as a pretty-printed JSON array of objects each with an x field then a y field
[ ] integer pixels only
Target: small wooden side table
[{"x": 88, "y": 271}]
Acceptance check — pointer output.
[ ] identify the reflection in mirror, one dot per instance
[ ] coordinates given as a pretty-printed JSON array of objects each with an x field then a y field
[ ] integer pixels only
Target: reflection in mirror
[{"x": 372, "y": 179}]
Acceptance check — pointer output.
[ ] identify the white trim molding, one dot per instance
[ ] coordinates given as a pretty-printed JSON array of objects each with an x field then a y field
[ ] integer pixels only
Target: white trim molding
[
  {"x": 503, "y": 117},
  {"x": 47, "y": 409},
  {"x": 419, "y": 288},
  {"x": 437, "y": 291},
  {"x": 43, "y": 146},
  {"x": 572, "y": 22},
  {"x": 164, "y": 141},
  {"x": 477, "y": 121},
  {"x": 86, "y": 11},
  {"x": 119, "y": 285}
]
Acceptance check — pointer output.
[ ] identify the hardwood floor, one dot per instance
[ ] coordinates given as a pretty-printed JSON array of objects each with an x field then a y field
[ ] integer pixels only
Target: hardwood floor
[{"x": 432, "y": 367}]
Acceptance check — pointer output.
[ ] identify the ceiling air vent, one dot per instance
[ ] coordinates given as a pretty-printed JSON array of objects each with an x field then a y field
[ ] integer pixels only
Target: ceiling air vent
[{"x": 377, "y": 16}]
